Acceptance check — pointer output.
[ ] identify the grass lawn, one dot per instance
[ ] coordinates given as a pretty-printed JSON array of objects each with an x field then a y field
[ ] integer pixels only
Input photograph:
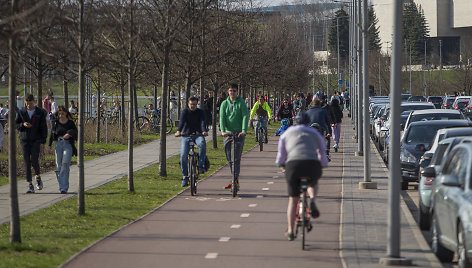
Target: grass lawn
[{"x": 52, "y": 235}]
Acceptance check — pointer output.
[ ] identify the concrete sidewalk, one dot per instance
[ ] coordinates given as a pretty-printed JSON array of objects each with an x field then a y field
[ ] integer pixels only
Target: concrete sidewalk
[
  {"x": 97, "y": 172},
  {"x": 364, "y": 214}
]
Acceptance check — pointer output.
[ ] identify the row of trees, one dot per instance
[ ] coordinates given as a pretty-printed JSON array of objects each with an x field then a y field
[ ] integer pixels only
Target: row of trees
[{"x": 133, "y": 45}]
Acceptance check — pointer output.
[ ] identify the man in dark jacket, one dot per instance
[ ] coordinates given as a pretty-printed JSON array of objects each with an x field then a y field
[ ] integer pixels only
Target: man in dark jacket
[
  {"x": 31, "y": 123},
  {"x": 336, "y": 124},
  {"x": 192, "y": 121}
]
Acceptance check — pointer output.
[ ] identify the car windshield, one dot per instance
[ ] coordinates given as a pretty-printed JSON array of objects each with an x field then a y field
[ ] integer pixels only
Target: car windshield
[
  {"x": 422, "y": 134},
  {"x": 429, "y": 117},
  {"x": 450, "y": 101},
  {"x": 462, "y": 104},
  {"x": 435, "y": 98},
  {"x": 416, "y": 107}
]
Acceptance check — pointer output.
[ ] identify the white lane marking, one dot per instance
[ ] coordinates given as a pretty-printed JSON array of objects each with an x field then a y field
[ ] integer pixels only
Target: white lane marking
[
  {"x": 211, "y": 255},
  {"x": 275, "y": 177},
  {"x": 270, "y": 182},
  {"x": 252, "y": 205},
  {"x": 260, "y": 196},
  {"x": 265, "y": 189},
  {"x": 235, "y": 226},
  {"x": 224, "y": 239},
  {"x": 245, "y": 215}
]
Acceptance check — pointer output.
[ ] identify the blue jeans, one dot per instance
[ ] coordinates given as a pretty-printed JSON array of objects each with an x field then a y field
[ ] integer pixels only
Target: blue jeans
[
  {"x": 185, "y": 148},
  {"x": 63, "y": 152}
]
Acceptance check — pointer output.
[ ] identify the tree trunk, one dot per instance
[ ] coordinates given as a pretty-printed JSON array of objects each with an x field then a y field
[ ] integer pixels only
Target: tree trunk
[
  {"x": 40, "y": 78},
  {"x": 165, "y": 75},
  {"x": 15, "y": 230},
  {"x": 131, "y": 93},
  {"x": 65, "y": 88},
  {"x": 179, "y": 104},
  {"x": 80, "y": 142},
  {"x": 123, "y": 105},
  {"x": 155, "y": 96},
  {"x": 215, "y": 116}
]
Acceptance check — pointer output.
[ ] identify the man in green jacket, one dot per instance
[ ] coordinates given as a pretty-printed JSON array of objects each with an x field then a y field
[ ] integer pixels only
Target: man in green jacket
[{"x": 234, "y": 117}]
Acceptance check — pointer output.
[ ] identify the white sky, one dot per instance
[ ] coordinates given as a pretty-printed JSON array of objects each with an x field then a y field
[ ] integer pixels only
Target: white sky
[{"x": 277, "y": 2}]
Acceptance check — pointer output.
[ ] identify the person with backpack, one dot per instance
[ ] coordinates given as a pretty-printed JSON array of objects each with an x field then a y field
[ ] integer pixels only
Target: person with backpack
[{"x": 336, "y": 123}]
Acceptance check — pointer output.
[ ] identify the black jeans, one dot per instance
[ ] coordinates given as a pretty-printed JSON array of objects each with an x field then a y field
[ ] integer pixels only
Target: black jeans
[{"x": 31, "y": 157}]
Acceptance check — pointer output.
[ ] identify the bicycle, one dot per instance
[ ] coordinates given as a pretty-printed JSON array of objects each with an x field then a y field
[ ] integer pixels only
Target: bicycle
[
  {"x": 193, "y": 171},
  {"x": 260, "y": 135},
  {"x": 234, "y": 184},
  {"x": 153, "y": 121},
  {"x": 302, "y": 212}
]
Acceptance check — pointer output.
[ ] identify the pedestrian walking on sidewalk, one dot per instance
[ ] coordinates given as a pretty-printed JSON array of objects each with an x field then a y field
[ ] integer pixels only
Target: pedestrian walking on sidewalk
[
  {"x": 301, "y": 153},
  {"x": 31, "y": 124},
  {"x": 336, "y": 124},
  {"x": 234, "y": 117},
  {"x": 64, "y": 133},
  {"x": 192, "y": 120}
]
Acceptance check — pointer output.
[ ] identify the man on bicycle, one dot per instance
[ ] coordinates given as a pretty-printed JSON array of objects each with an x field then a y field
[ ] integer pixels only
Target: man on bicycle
[
  {"x": 234, "y": 117},
  {"x": 262, "y": 113},
  {"x": 155, "y": 113},
  {"x": 301, "y": 153},
  {"x": 319, "y": 114},
  {"x": 192, "y": 120}
]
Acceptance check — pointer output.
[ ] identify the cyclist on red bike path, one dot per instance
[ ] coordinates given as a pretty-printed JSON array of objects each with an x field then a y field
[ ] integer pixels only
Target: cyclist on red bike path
[
  {"x": 234, "y": 117},
  {"x": 262, "y": 113},
  {"x": 301, "y": 153},
  {"x": 192, "y": 120}
]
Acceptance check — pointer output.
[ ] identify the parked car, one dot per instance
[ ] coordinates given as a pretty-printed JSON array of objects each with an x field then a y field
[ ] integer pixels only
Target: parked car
[
  {"x": 406, "y": 107},
  {"x": 405, "y": 97},
  {"x": 461, "y": 103},
  {"x": 433, "y": 114},
  {"x": 448, "y": 101},
  {"x": 438, "y": 150},
  {"x": 416, "y": 140},
  {"x": 451, "y": 207},
  {"x": 377, "y": 123},
  {"x": 416, "y": 98},
  {"x": 436, "y": 100}
]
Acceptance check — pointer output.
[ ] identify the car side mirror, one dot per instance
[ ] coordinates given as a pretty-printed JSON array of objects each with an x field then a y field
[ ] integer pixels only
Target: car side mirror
[
  {"x": 450, "y": 180},
  {"x": 428, "y": 156},
  {"x": 420, "y": 147},
  {"x": 429, "y": 172}
]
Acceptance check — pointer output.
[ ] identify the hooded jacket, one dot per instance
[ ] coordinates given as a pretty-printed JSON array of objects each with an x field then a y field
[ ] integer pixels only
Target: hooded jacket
[{"x": 234, "y": 115}]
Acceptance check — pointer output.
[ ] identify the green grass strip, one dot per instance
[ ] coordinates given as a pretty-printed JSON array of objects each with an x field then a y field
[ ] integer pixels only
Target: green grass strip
[{"x": 52, "y": 235}]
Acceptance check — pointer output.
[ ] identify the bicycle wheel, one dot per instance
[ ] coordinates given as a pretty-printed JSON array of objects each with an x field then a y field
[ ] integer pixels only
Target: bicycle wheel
[
  {"x": 143, "y": 122},
  {"x": 195, "y": 174},
  {"x": 261, "y": 139},
  {"x": 169, "y": 126},
  {"x": 191, "y": 172},
  {"x": 234, "y": 185},
  {"x": 304, "y": 218}
]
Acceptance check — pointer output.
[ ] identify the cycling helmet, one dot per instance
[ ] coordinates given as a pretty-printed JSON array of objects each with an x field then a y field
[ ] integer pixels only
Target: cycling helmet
[
  {"x": 285, "y": 122},
  {"x": 302, "y": 118}
]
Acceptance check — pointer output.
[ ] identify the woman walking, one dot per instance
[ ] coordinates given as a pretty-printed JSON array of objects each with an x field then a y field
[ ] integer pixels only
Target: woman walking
[
  {"x": 336, "y": 124},
  {"x": 64, "y": 133}
]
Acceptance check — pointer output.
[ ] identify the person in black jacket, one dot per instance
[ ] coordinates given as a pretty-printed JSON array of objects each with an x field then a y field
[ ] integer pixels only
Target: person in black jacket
[
  {"x": 336, "y": 124},
  {"x": 192, "y": 121},
  {"x": 31, "y": 123},
  {"x": 64, "y": 133}
]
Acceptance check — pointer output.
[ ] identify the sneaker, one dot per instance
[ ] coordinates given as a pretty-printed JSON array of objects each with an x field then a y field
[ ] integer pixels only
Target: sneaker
[
  {"x": 39, "y": 183},
  {"x": 185, "y": 182},
  {"x": 231, "y": 184},
  {"x": 290, "y": 236},
  {"x": 315, "y": 213},
  {"x": 336, "y": 147},
  {"x": 329, "y": 158},
  {"x": 30, "y": 189},
  {"x": 63, "y": 192}
]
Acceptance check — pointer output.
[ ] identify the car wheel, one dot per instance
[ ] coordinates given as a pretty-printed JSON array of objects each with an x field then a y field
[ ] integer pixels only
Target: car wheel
[
  {"x": 443, "y": 254},
  {"x": 462, "y": 261},
  {"x": 424, "y": 219}
]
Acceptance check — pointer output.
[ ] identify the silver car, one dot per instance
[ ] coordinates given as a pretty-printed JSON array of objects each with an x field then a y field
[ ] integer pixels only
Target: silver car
[{"x": 451, "y": 207}]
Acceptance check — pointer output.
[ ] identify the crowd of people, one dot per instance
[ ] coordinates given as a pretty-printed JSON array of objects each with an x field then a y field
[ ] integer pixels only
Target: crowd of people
[{"x": 303, "y": 149}]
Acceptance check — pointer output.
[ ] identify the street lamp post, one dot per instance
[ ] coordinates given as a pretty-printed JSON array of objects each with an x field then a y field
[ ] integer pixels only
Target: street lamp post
[{"x": 337, "y": 37}]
